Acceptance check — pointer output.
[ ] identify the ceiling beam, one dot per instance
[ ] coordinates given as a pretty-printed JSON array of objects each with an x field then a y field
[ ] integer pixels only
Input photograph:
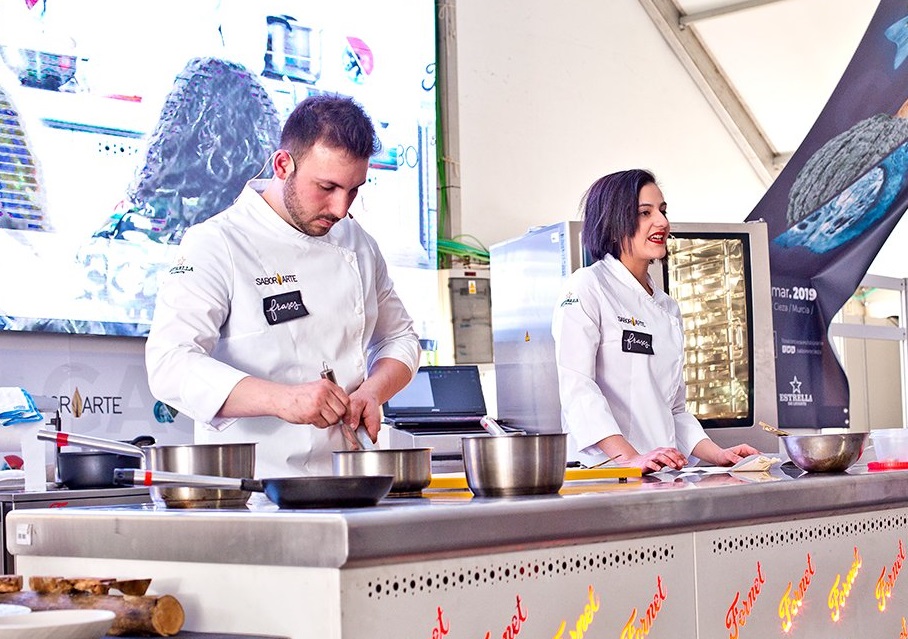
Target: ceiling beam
[
  {"x": 716, "y": 88},
  {"x": 690, "y": 18}
]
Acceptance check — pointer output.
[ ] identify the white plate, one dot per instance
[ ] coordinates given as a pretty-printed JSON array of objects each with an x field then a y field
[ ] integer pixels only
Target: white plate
[
  {"x": 13, "y": 609},
  {"x": 57, "y": 624}
]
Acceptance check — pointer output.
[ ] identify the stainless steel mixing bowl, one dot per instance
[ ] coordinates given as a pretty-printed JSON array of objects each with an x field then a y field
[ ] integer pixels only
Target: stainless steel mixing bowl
[
  {"x": 825, "y": 453},
  {"x": 516, "y": 464}
]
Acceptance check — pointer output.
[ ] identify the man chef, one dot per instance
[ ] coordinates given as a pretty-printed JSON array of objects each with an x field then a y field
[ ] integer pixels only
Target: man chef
[{"x": 281, "y": 283}]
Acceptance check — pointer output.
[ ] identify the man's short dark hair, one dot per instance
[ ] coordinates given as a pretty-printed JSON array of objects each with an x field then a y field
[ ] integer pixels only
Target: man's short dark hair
[{"x": 335, "y": 121}]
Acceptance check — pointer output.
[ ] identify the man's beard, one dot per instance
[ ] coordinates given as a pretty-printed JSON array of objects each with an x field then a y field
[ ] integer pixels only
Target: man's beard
[{"x": 296, "y": 212}]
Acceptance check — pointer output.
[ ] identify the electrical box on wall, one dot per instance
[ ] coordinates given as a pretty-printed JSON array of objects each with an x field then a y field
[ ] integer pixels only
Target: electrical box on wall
[{"x": 466, "y": 302}]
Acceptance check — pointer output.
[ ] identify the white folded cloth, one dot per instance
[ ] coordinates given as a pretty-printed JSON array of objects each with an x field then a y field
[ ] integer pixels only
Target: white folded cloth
[{"x": 17, "y": 406}]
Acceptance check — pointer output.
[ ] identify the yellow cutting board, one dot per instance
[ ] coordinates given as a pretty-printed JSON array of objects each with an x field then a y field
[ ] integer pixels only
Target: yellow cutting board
[{"x": 443, "y": 481}]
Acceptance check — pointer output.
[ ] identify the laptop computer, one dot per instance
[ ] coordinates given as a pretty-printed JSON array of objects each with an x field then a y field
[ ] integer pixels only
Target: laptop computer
[{"x": 439, "y": 398}]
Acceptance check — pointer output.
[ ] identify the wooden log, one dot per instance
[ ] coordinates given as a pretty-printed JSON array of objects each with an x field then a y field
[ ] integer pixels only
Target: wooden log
[
  {"x": 66, "y": 585},
  {"x": 91, "y": 585},
  {"x": 10, "y": 583},
  {"x": 135, "y": 615}
]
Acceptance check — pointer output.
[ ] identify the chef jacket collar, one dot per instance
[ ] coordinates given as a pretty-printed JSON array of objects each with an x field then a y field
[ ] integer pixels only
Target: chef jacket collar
[{"x": 620, "y": 272}]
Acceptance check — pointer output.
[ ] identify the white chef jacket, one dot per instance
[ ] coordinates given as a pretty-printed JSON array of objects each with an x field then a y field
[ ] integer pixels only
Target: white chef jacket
[
  {"x": 620, "y": 355},
  {"x": 211, "y": 325}
]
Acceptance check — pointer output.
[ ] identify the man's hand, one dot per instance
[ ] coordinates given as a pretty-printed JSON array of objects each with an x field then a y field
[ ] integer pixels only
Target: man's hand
[
  {"x": 365, "y": 410},
  {"x": 320, "y": 403}
]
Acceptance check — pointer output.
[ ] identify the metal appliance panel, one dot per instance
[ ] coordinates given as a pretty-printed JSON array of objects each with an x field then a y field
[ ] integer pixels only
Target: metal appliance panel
[
  {"x": 527, "y": 276},
  {"x": 61, "y": 498}
]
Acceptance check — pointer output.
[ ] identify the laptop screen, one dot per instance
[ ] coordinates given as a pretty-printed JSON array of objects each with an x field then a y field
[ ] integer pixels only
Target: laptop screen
[{"x": 439, "y": 391}]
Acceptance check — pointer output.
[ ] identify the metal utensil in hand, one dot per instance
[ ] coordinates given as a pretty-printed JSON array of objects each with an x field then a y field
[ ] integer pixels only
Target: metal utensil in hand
[{"x": 358, "y": 438}]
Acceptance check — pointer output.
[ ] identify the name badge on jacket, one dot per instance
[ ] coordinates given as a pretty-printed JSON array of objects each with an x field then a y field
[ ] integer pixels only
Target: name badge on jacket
[
  {"x": 284, "y": 307},
  {"x": 637, "y": 342}
]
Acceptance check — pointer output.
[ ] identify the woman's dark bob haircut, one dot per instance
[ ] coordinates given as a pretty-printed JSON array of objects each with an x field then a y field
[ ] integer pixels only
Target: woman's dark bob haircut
[{"x": 610, "y": 216}]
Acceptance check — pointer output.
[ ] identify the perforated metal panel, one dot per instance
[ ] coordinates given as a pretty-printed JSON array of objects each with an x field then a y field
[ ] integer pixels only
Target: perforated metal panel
[{"x": 486, "y": 594}]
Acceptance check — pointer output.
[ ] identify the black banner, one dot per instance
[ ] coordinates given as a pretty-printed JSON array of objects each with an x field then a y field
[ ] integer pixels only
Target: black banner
[{"x": 829, "y": 212}]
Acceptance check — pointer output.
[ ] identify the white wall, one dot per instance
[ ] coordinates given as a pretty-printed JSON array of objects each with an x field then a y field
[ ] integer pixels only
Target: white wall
[{"x": 552, "y": 95}]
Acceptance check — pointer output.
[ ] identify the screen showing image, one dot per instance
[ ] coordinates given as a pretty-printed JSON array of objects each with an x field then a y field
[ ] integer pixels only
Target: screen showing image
[{"x": 124, "y": 123}]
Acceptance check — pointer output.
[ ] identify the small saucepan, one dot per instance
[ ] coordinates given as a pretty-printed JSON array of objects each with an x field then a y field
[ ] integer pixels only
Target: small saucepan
[
  {"x": 286, "y": 492},
  {"x": 81, "y": 469},
  {"x": 94, "y": 468},
  {"x": 411, "y": 468}
]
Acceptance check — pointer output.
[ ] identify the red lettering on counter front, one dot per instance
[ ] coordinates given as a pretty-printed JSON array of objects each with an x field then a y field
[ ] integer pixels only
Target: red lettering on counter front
[
  {"x": 839, "y": 594},
  {"x": 441, "y": 630},
  {"x": 736, "y": 617},
  {"x": 886, "y": 583},
  {"x": 631, "y": 629},
  {"x": 584, "y": 620},
  {"x": 793, "y": 600},
  {"x": 516, "y": 622}
]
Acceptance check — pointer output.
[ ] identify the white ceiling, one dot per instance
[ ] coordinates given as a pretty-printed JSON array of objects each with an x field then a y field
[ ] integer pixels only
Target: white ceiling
[{"x": 778, "y": 60}]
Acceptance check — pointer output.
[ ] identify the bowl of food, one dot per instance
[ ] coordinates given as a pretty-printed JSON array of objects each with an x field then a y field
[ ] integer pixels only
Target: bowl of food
[{"x": 516, "y": 464}]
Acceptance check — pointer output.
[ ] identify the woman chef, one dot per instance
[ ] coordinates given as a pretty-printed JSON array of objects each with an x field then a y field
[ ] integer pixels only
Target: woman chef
[{"x": 618, "y": 339}]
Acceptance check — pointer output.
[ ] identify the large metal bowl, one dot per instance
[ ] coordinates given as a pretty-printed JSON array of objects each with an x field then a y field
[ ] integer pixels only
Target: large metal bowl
[
  {"x": 825, "y": 453},
  {"x": 223, "y": 460},
  {"x": 410, "y": 467},
  {"x": 516, "y": 464}
]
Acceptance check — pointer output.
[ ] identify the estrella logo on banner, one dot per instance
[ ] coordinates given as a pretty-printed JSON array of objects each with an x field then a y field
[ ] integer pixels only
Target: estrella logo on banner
[
  {"x": 796, "y": 397},
  {"x": 829, "y": 212}
]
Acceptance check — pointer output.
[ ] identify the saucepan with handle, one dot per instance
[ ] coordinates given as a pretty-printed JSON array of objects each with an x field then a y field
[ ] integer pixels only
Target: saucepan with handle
[
  {"x": 512, "y": 464},
  {"x": 286, "y": 492},
  {"x": 224, "y": 460},
  {"x": 411, "y": 468}
]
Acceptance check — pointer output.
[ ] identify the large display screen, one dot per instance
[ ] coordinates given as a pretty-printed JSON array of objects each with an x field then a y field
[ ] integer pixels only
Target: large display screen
[{"x": 124, "y": 123}]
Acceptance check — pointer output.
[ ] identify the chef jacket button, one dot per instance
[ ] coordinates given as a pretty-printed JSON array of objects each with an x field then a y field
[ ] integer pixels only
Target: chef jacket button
[
  {"x": 359, "y": 310},
  {"x": 350, "y": 258}
]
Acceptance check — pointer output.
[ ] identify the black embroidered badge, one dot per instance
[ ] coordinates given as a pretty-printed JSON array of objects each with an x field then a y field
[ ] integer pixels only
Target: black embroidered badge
[
  {"x": 284, "y": 307},
  {"x": 637, "y": 342}
]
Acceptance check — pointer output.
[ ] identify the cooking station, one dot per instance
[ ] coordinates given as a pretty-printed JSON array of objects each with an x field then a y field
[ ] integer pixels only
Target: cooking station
[{"x": 709, "y": 555}]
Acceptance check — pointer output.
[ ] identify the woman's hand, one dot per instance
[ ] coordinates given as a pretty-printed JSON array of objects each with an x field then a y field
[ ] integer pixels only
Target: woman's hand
[
  {"x": 656, "y": 460},
  {"x": 731, "y": 456},
  {"x": 653, "y": 461},
  {"x": 710, "y": 452}
]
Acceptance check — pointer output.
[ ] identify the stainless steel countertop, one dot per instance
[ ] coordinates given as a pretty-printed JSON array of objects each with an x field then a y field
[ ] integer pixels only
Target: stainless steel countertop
[{"x": 449, "y": 523}]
